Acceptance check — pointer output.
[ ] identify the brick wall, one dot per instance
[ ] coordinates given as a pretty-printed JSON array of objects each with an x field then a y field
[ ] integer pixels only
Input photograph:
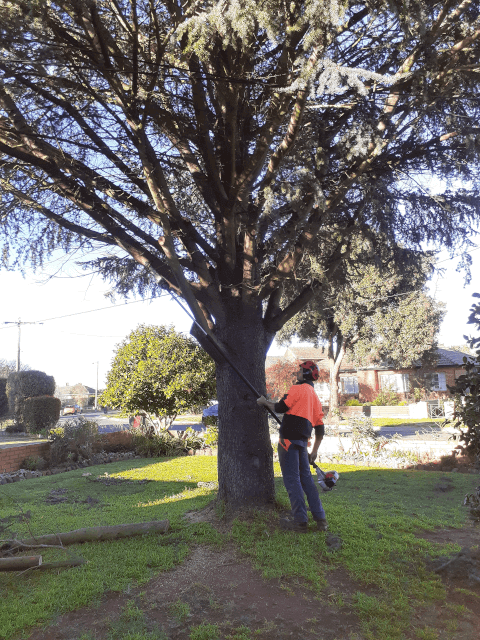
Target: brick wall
[
  {"x": 117, "y": 437},
  {"x": 11, "y": 458},
  {"x": 390, "y": 412},
  {"x": 351, "y": 411}
]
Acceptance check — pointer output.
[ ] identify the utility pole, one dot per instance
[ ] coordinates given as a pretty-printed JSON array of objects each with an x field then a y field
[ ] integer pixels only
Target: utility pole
[
  {"x": 96, "y": 388},
  {"x": 19, "y": 324}
]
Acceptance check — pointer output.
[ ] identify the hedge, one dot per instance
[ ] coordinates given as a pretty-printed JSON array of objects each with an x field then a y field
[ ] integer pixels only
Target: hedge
[{"x": 40, "y": 412}]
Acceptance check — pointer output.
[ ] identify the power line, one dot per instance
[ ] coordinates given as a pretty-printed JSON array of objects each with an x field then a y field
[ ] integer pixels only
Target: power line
[{"x": 79, "y": 313}]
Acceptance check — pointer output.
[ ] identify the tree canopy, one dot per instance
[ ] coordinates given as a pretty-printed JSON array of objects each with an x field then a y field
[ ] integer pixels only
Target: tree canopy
[
  {"x": 376, "y": 311},
  {"x": 211, "y": 148},
  {"x": 160, "y": 373}
]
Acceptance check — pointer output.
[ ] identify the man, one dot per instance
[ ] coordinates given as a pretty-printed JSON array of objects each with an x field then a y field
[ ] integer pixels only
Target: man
[{"x": 302, "y": 413}]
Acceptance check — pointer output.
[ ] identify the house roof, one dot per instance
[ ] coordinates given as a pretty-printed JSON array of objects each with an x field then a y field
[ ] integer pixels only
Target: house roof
[
  {"x": 75, "y": 389},
  {"x": 449, "y": 357},
  {"x": 446, "y": 358},
  {"x": 319, "y": 355},
  {"x": 271, "y": 360}
]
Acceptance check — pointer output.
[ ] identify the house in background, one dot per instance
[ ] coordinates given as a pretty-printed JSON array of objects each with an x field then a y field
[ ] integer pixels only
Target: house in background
[
  {"x": 78, "y": 394},
  {"x": 364, "y": 383}
]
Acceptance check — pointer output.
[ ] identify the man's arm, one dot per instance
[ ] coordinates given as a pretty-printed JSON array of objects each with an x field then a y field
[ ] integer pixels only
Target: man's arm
[
  {"x": 319, "y": 433},
  {"x": 276, "y": 407},
  {"x": 263, "y": 402}
]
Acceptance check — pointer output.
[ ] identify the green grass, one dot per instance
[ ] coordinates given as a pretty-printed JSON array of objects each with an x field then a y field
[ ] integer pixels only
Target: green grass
[
  {"x": 376, "y": 513},
  {"x": 402, "y": 422}
]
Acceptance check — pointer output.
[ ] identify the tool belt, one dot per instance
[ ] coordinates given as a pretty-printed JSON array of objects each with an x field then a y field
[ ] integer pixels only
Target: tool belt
[{"x": 283, "y": 442}]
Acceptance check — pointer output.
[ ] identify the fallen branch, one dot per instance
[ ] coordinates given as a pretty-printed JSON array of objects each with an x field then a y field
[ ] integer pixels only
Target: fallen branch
[
  {"x": 19, "y": 564},
  {"x": 90, "y": 534}
]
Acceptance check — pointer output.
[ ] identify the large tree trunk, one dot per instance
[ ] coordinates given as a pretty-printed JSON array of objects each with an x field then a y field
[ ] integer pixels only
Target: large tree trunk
[
  {"x": 245, "y": 455},
  {"x": 335, "y": 365}
]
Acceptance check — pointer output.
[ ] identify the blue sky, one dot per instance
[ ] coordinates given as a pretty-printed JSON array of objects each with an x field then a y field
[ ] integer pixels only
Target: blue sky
[{"x": 78, "y": 331}]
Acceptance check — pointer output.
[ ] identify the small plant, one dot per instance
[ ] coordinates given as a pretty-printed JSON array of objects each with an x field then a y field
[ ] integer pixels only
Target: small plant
[
  {"x": 211, "y": 436},
  {"x": 74, "y": 440},
  {"x": 34, "y": 463},
  {"x": 386, "y": 398},
  {"x": 180, "y": 610},
  {"x": 192, "y": 439},
  {"x": 353, "y": 402},
  {"x": 204, "y": 631}
]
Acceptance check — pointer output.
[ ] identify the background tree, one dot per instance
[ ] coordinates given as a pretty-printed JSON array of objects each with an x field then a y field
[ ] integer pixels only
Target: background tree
[
  {"x": 209, "y": 148},
  {"x": 10, "y": 366},
  {"x": 463, "y": 348},
  {"x": 280, "y": 377},
  {"x": 377, "y": 311},
  {"x": 467, "y": 391},
  {"x": 159, "y": 372}
]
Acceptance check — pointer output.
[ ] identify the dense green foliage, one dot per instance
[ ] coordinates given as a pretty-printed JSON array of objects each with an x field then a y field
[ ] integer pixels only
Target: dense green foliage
[
  {"x": 27, "y": 384},
  {"x": 3, "y": 397},
  {"x": 40, "y": 412},
  {"x": 375, "y": 311},
  {"x": 159, "y": 372},
  {"x": 467, "y": 391},
  {"x": 164, "y": 443}
]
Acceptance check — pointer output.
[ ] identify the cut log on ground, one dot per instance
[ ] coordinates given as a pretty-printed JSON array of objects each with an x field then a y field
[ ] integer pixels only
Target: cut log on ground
[
  {"x": 20, "y": 563},
  {"x": 93, "y": 534}
]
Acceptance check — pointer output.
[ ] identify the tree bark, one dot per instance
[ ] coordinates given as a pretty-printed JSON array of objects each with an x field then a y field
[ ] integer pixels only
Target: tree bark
[
  {"x": 91, "y": 534},
  {"x": 335, "y": 365},
  {"x": 245, "y": 454},
  {"x": 20, "y": 564}
]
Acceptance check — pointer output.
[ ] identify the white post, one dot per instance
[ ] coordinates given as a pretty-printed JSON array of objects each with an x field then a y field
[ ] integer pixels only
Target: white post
[{"x": 96, "y": 388}]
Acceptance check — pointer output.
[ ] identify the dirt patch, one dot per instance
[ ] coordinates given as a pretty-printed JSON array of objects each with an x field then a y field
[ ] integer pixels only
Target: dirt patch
[
  {"x": 61, "y": 496},
  {"x": 468, "y": 536},
  {"x": 224, "y": 589},
  {"x": 221, "y": 587}
]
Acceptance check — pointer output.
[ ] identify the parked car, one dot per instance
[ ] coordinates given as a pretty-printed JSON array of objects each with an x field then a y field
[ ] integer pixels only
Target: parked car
[{"x": 69, "y": 411}]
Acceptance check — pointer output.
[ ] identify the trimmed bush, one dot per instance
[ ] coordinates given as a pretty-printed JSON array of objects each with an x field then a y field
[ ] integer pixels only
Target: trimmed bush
[
  {"x": 40, "y": 413},
  {"x": 353, "y": 403},
  {"x": 3, "y": 397},
  {"x": 27, "y": 384}
]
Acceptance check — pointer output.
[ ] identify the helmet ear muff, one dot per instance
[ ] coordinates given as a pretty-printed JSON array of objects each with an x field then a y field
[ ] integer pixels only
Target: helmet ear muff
[{"x": 310, "y": 370}]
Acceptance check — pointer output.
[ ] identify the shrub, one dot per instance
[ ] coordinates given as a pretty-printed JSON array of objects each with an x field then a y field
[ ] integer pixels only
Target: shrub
[
  {"x": 210, "y": 421},
  {"x": 353, "y": 402},
  {"x": 156, "y": 445},
  {"x": 467, "y": 392},
  {"x": 3, "y": 397},
  {"x": 34, "y": 463},
  {"x": 386, "y": 398},
  {"x": 192, "y": 439},
  {"x": 27, "y": 384},
  {"x": 40, "y": 413},
  {"x": 211, "y": 436},
  {"x": 15, "y": 427},
  {"x": 74, "y": 440}
]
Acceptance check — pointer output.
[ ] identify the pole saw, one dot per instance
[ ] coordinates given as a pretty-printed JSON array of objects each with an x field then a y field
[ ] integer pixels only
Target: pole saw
[{"x": 326, "y": 481}]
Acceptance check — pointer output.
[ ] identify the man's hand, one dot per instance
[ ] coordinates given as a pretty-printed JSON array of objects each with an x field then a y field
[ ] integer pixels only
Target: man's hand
[
  {"x": 312, "y": 456},
  {"x": 262, "y": 401}
]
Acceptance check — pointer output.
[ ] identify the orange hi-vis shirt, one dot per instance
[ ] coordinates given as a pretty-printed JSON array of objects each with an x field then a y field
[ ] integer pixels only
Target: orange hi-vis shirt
[{"x": 303, "y": 411}]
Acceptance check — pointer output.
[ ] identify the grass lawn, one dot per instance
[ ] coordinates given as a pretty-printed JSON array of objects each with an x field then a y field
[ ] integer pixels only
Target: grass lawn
[
  {"x": 421, "y": 423},
  {"x": 375, "y": 512}
]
